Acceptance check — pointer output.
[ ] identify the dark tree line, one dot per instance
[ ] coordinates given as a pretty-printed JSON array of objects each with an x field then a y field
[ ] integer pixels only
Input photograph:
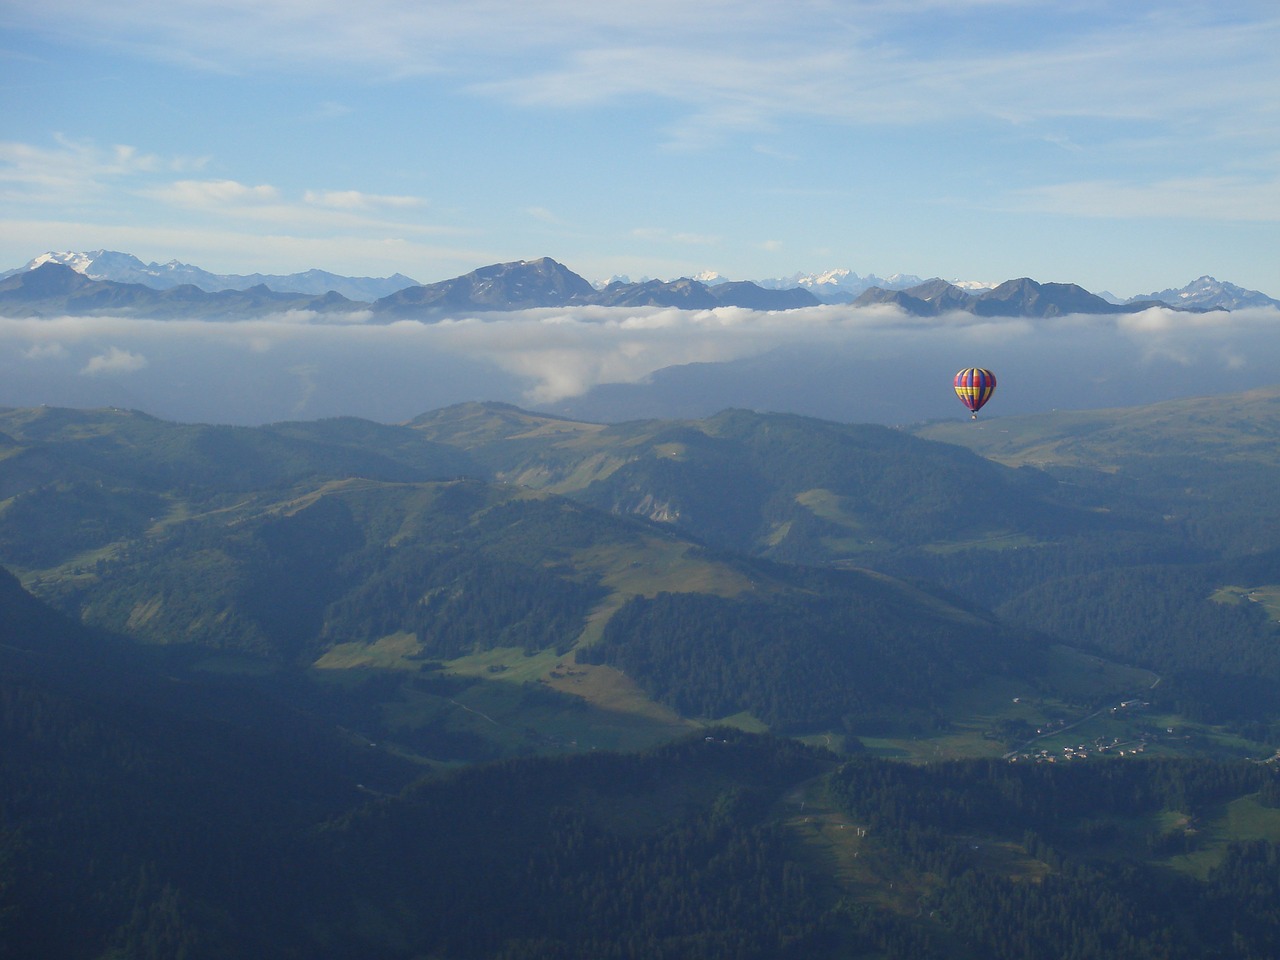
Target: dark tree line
[
  {"x": 1091, "y": 826},
  {"x": 801, "y": 659}
]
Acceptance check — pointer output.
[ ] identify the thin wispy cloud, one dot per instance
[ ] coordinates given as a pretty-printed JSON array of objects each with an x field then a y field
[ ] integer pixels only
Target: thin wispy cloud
[
  {"x": 1207, "y": 198},
  {"x": 213, "y": 194},
  {"x": 69, "y": 168},
  {"x": 543, "y": 215},
  {"x": 212, "y": 243},
  {"x": 744, "y": 60},
  {"x": 351, "y": 210},
  {"x": 358, "y": 200},
  {"x": 79, "y": 171},
  {"x": 663, "y": 235},
  {"x": 331, "y": 110}
]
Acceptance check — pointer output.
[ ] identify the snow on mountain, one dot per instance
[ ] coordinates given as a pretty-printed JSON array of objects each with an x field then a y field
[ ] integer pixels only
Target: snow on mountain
[
  {"x": 836, "y": 285},
  {"x": 126, "y": 268},
  {"x": 1210, "y": 294},
  {"x": 974, "y": 286},
  {"x": 79, "y": 262},
  {"x": 841, "y": 285},
  {"x": 821, "y": 284},
  {"x": 616, "y": 278},
  {"x": 896, "y": 281},
  {"x": 710, "y": 278}
]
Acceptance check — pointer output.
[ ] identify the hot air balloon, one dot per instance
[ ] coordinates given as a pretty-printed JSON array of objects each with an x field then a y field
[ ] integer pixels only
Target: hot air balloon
[{"x": 974, "y": 387}]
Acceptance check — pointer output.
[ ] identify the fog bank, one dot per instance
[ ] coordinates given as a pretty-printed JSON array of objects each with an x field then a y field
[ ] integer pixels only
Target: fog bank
[{"x": 875, "y": 365}]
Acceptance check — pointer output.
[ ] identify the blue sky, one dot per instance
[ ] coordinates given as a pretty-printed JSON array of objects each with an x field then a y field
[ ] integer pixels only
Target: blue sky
[{"x": 1126, "y": 147}]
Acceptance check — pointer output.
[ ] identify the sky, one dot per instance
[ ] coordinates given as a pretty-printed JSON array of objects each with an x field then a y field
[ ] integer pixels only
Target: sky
[{"x": 1126, "y": 147}]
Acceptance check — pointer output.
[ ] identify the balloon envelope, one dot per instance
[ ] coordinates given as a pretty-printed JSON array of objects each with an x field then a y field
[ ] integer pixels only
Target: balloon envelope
[{"x": 974, "y": 387}]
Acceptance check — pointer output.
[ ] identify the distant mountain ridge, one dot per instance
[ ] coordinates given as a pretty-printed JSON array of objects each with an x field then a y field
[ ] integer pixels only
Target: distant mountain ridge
[
  {"x": 524, "y": 284},
  {"x": 1023, "y": 297},
  {"x": 54, "y": 289},
  {"x": 102, "y": 281},
  {"x": 501, "y": 286},
  {"x": 842, "y": 285},
  {"x": 126, "y": 268},
  {"x": 1211, "y": 294}
]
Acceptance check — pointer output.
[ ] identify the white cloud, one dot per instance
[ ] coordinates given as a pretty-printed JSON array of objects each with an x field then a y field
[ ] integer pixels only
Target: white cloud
[
  {"x": 213, "y": 194},
  {"x": 110, "y": 182},
  {"x": 113, "y": 363},
  {"x": 356, "y": 200},
  {"x": 346, "y": 210},
  {"x": 558, "y": 354},
  {"x": 69, "y": 170}
]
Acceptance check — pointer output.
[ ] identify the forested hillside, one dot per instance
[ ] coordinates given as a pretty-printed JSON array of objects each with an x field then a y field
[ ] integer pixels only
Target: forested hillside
[
  {"x": 134, "y": 805},
  {"x": 1135, "y": 533},
  {"x": 1186, "y": 582},
  {"x": 451, "y": 688},
  {"x": 835, "y": 651},
  {"x": 446, "y": 541}
]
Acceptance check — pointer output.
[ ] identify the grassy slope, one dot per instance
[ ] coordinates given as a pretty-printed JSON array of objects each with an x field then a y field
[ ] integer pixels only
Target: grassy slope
[
  {"x": 1209, "y": 464},
  {"x": 1229, "y": 429},
  {"x": 774, "y": 485}
]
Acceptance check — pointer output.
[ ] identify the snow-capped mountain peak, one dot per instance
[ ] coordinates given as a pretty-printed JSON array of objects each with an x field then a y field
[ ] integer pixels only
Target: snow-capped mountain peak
[
  {"x": 1208, "y": 293},
  {"x": 828, "y": 278},
  {"x": 79, "y": 262}
]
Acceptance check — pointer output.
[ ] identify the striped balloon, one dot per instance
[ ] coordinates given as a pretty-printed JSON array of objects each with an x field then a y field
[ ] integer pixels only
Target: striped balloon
[{"x": 974, "y": 387}]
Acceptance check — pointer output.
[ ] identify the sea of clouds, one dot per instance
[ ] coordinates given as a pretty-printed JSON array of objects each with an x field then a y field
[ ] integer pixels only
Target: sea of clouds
[{"x": 873, "y": 365}]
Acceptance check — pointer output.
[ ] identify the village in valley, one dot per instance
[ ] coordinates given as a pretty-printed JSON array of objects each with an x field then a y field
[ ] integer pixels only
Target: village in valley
[{"x": 1048, "y": 744}]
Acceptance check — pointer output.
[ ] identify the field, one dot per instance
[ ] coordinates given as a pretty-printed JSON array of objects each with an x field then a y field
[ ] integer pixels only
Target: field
[{"x": 1241, "y": 819}]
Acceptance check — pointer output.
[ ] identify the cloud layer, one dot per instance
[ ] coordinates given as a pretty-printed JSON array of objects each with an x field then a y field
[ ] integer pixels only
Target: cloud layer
[{"x": 875, "y": 364}]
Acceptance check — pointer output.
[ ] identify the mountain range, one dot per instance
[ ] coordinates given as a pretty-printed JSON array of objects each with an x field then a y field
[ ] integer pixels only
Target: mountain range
[
  {"x": 829, "y": 286},
  {"x": 54, "y": 289},
  {"x": 64, "y": 285},
  {"x": 126, "y": 268},
  {"x": 1013, "y": 298},
  {"x": 545, "y": 283},
  {"x": 844, "y": 286},
  {"x": 1213, "y": 294}
]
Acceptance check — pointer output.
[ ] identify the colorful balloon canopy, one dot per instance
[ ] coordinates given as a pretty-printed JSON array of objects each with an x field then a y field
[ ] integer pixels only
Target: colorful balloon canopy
[{"x": 974, "y": 387}]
